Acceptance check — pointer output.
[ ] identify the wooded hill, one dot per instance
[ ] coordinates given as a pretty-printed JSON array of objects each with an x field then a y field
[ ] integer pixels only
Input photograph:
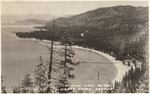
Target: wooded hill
[{"x": 120, "y": 30}]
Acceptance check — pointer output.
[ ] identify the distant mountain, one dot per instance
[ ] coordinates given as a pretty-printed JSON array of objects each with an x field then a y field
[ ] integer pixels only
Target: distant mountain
[
  {"x": 12, "y": 18},
  {"x": 30, "y": 21},
  {"x": 110, "y": 16}
]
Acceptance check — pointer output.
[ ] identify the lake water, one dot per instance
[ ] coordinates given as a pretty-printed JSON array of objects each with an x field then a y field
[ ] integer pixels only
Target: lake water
[{"x": 19, "y": 56}]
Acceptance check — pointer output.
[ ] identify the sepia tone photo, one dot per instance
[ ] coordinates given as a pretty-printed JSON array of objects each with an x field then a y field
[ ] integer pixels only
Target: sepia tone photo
[{"x": 74, "y": 47}]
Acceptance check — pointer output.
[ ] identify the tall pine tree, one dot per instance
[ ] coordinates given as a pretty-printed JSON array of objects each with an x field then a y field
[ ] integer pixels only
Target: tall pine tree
[{"x": 63, "y": 84}]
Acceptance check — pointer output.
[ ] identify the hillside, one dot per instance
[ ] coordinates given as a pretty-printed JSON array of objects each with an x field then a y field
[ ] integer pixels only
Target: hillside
[
  {"x": 119, "y": 30},
  {"x": 119, "y": 26},
  {"x": 110, "y": 16}
]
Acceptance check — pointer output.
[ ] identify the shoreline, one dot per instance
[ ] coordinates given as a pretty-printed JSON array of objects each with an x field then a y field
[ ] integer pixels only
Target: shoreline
[{"x": 121, "y": 69}]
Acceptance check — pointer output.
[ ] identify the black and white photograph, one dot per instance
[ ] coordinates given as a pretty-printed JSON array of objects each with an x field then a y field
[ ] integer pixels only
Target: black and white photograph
[{"x": 75, "y": 46}]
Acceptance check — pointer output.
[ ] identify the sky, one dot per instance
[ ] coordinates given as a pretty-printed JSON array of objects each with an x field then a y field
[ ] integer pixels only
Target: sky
[{"x": 59, "y": 8}]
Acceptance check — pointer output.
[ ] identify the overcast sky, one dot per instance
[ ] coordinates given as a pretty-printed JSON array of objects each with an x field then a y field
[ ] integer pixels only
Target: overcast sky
[{"x": 59, "y": 8}]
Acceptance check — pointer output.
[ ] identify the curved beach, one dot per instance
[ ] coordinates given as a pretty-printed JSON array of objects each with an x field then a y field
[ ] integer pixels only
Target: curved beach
[{"x": 121, "y": 69}]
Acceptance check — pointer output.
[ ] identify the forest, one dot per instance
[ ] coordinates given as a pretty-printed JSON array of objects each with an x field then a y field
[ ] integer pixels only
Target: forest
[{"x": 116, "y": 42}]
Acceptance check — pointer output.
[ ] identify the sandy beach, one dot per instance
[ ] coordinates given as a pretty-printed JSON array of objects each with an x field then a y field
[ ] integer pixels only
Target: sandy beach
[{"x": 122, "y": 69}]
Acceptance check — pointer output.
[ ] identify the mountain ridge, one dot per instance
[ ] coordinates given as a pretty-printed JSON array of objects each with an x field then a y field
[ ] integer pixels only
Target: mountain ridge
[{"x": 96, "y": 17}]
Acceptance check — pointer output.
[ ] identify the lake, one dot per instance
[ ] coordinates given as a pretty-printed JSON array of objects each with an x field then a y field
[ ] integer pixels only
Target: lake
[{"x": 19, "y": 56}]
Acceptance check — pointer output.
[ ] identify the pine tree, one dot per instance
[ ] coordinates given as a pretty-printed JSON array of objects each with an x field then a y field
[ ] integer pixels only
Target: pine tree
[
  {"x": 40, "y": 78},
  {"x": 51, "y": 62},
  {"x": 63, "y": 83},
  {"x": 134, "y": 62},
  {"x": 26, "y": 84},
  {"x": 16, "y": 89},
  {"x": 2, "y": 85},
  {"x": 128, "y": 63}
]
